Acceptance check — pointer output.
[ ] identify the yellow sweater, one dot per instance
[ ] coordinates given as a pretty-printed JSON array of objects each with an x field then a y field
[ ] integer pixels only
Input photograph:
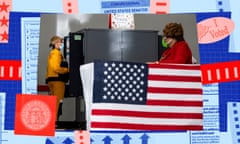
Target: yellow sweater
[{"x": 53, "y": 67}]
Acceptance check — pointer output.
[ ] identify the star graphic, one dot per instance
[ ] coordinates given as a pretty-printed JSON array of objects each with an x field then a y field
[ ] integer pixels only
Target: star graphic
[
  {"x": 4, "y": 21},
  {"x": 4, "y": 36},
  {"x": 4, "y": 7}
]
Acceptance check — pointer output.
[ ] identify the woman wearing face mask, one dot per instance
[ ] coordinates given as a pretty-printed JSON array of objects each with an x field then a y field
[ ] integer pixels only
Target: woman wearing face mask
[
  {"x": 178, "y": 50},
  {"x": 56, "y": 83}
]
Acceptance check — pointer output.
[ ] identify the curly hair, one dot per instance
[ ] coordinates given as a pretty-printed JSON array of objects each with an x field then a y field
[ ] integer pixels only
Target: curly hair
[
  {"x": 53, "y": 40},
  {"x": 174, "y": 30}
]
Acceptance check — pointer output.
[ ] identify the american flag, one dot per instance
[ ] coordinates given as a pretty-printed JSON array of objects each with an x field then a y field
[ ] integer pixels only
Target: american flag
[{"x": 139, "y": 96}]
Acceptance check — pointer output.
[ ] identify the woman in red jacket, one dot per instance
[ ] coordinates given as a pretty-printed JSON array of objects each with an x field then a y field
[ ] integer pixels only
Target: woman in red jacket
[{"x": 178, "y": 51}]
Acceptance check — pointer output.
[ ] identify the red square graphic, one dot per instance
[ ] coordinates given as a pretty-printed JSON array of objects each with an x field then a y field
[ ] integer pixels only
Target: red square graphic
[{"x": 35, "y": 115}]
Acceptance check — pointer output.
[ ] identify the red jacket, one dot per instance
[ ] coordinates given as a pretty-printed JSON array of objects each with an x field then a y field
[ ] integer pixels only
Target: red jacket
[{"x": 179, "y": 53}]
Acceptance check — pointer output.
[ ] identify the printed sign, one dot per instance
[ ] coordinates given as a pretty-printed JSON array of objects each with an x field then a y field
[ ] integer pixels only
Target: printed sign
[{"x": 122, "y": 21}]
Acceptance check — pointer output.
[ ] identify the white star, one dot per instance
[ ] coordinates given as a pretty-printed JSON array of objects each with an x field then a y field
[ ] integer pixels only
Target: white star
[
  {"x": 134, "y": 82},
  {"x": 131, "y": 78},
  {"x": 109, "y": 68},
  {"x": 134, "y": 74},
  {"x": 130, "y": 94},
  {"x": 105, "y": 72},
  {"x": 113, "y": 64},
  {"x": 120, "y": 73},
  {"x": 119, "y": 89},
  {"x": 134, "y": 90},
  {"x": 137, "y": 94},
  {"x": 116, "y": 77},
  {"x": 138, "y": 78},
  {"x": 112, "y": 89},
  {"x": 130, "y": 86},
  {"x": 120, "y": 81},
  {"x": 105, "y": 64},
  {"x": 104, "y": 97},
  {"x": 125, "y": 98},
  {"x": 137, "y": 86},
  {"x": 113, "y": 72},
  {"x": 105, "y": 89},
  {"x": 112, "y": 81}
]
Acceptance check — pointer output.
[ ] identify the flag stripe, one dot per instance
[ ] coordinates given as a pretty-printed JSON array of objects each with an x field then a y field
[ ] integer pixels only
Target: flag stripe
[
  {"x": 147, "y": 108},
  {"x": 144, "y": 120},
  {"x": 184, "y": 97},
  {"x": 147, "y": 114},
  {"x": 172, "y": 72},
  {"x": 175, "y": 78},
  {"x": 174, "y": 90},
  {"x": 170, "y": 84},
  {"x": 111, "y": 126},
  {"x": 117, "y": 126},
  {"x": 174, "y": 103},
  {"x": 175, "y": 66}
]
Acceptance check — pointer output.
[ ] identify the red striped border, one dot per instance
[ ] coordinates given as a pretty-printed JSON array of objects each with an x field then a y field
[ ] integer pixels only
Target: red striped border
[{"x": 10, "y": 70}]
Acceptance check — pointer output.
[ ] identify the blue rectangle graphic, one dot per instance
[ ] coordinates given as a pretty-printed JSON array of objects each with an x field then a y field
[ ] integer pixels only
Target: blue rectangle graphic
[{"x": 124, "y": 4}]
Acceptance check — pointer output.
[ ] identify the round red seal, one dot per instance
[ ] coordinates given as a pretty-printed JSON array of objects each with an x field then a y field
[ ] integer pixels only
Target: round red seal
[{"x": 35, "y": 115}]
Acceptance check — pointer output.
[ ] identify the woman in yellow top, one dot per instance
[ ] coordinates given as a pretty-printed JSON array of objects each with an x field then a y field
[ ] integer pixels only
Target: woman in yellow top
[{"x": 56, "y": 83}]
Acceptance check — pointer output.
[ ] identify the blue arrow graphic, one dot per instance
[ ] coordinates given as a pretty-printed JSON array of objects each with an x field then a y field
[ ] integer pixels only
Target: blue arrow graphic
[
  {"x": 48, "y": 141},
  {"x": 144, "y": 138},
  {"x": 107, "y": 140},
  {"x": 68, "y": 141},
  {"x": 126, "y": 139},
  {"x": 91, "y": 140}
]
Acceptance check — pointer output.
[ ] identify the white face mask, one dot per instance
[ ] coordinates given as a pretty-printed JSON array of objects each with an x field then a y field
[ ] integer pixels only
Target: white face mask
[{"x": 61, "y": 47}]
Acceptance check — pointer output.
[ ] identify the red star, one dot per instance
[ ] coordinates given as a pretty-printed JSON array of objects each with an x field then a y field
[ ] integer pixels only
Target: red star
[
  {"x": 4, "y": 36},
  {"x": 4, "y": 7},
  {"x": 4, "y": 21}
]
